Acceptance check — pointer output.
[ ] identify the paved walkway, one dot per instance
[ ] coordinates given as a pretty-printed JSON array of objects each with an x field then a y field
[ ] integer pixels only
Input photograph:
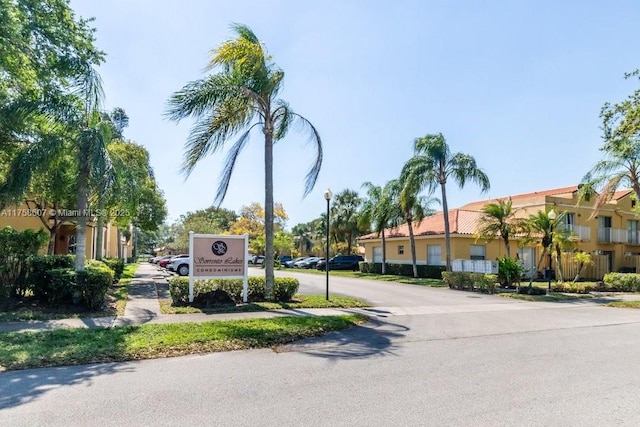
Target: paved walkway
[{"x": 143, "y": 307}]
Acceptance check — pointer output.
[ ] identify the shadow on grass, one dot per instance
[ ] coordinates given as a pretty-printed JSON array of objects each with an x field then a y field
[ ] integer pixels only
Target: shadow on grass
[{"x": 375, "y": 338}]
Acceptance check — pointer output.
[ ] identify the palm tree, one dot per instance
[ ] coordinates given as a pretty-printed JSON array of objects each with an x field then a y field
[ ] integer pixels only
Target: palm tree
[
  {"x": 412, "y": 206},
  {"x": 344, "y": 217},
  {"x": 238, "y": 98},
  {"x": 498, "y": 220},
  {"x": 433, "y": 164},
  {"x": 380, "y": 210},
  {"x": 539, "y": 227},
  {"x": 302, "y": 238},
  {"x": 619, "y": 168}
]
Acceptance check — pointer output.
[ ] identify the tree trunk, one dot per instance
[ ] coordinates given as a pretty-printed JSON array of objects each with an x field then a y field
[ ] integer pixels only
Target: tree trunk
[
  {"x": 119, "y": 242},
  {"x": 99, "y": 237},
  {"x": 81, "y": 219},
  {"x": 507, "y": 246},
  {"x": 413, "y": 247},
  {"x": 384, "y": 253},
  {"x": 559, "y": 277},
  {"x": 268, "y": 207},
  {"x": 447, "y": 237}
]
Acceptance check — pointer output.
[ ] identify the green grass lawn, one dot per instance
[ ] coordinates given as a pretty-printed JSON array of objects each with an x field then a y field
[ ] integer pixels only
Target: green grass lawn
[
  {"x": 624, "y": 304},
  {"x": 299, "y": 301},
  {"x": 22, "y": 350},
  {"x": 115, "y": 302}
]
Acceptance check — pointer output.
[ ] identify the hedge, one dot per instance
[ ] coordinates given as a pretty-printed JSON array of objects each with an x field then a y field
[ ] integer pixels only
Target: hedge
[
  {"x": 622, "y": 282},
  {"x": 284, "y": 288},
  {"x": 424, "y": 271},
  {"x": 117, "y": 265},
  {"x": 470, "y": 281}
]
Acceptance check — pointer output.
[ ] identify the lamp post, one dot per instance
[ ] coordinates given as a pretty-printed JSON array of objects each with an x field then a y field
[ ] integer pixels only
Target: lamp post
[
  {"x": 552, "y": 217},
  {"x": 327, "y": 196}
]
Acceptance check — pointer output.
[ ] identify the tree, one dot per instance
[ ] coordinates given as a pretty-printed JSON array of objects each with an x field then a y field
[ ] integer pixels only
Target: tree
[
  {"x": 303, "y": 237},
  {"x": 433, "y": 164},
  {"x": 239, "y": 97},
  {"x": 584, "y": 260},
  {"x": 620, "y": 166},
  {"x": 211, "y": 220},
  {"x": 344, "y": 218},
  {"x": 380, "y": 210},
  {"x": 498, "y": 219},
  {"x": 539, "y": 227},
  {"x": 413, "y": 207}
]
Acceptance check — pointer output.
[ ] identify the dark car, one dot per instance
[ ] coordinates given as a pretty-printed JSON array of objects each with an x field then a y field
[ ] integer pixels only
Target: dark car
[
  {"x": 341, "y": 262},
  {"x": 309, "y": 262},
  {"x": 290, "y": 264}
]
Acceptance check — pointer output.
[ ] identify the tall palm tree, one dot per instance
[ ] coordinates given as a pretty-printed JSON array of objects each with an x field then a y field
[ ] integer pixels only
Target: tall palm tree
[
  {"x": 620, "y": 167},
  {"x": 302, "y": 236},
  {"x": 412, "y": 206},
  {"x": 433, "y": 164},
  {"x": 380, "y": 210},
  {"x": 240, "y": 97},
  {"x": 539, "y": 227},
  {"x": 498, "y": 219}
]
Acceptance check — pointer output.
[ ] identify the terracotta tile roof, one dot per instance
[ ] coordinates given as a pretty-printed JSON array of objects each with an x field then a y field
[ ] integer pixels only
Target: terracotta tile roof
[
  {"x": 460, "y": 222},
  {"x": 620, "y": 194},
  {"x": 553, "y": 192}
]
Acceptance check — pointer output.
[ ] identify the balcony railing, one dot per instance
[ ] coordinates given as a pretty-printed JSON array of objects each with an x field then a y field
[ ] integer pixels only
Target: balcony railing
[
  {"x": 579, "y": 231},
  {"x": 612, "y": 235}
]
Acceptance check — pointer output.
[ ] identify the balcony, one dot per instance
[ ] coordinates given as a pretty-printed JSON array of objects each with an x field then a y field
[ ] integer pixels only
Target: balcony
[
  {"x": 579, "y": 231},
  {"x": 613, "y": 235}
]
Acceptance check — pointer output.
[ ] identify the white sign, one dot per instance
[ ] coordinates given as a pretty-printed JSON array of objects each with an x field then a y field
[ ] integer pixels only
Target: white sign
[{"x": 215, "y": 256}]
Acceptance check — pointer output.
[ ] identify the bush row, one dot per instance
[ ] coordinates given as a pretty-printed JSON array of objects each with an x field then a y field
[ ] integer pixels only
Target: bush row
[
  {"x": 284, "y": 288},
  {"x": 424, "y": 271},
  {"x": 470, "y": 281},
  {"x": 53, "y": 280}
]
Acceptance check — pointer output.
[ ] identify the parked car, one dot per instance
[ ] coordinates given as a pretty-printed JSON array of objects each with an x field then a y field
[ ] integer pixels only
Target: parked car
[
  {"x": 256, "y": 259},
  {"x": 284, "y": 259},
  {"x": 341, "y": 262},
  {"x": 289, "y": 264},
  {"x": 180, "y": 265},
  {"x": 172, "y": 262},
  {"x": 162, "y": 262},
  {"x": 309, "y": 262},
  {"x": 298, "y": 264}
]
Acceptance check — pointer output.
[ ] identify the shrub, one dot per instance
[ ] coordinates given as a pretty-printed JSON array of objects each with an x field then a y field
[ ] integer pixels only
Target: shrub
[
  {"x": 58, "y": 288},
  {"x": 117, "y": 265},
  {"x": 40, "y": 279},
  {"x": 485, "y": 282},
  {"x": 91, "y": 286},
  {"x": 16, "y": 247},
  {"x": 284, "y": 288},
  {"x": 622, "y": 282},
  {"x": 509, "y": 271},
  {"x": 470, "y": 281},
  {"x": 531, "y": 290}
]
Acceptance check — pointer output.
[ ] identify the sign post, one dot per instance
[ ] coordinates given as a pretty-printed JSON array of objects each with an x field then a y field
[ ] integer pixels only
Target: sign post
[{"x": 214, "y": 256}]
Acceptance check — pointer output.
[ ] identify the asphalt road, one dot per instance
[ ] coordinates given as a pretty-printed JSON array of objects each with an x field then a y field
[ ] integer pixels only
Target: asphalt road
[{"x": 451, "y": 361}]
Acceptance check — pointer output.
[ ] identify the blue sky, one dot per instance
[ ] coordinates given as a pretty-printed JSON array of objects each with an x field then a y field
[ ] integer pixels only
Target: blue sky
[{"x": 517, "y": 84}]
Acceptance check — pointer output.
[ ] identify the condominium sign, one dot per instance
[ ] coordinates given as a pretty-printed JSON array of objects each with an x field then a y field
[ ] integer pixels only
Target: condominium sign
[{"x": 217, "y": 256}]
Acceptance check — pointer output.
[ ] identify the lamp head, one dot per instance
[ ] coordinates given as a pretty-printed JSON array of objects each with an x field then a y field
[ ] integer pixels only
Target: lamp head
[
  {"x": 328, "y": 194},
  {"x": 552, "y": 214}
]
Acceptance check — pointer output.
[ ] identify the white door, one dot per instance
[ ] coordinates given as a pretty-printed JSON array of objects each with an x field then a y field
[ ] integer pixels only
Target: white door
[
  {"x": 377, "y": 254},
  {"x": 528, "y": 260}
]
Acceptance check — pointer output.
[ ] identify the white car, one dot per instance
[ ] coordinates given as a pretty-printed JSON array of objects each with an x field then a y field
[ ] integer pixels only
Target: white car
[
  {"x": 179, "y": 264},
  {"x": 256, "y": 259}
]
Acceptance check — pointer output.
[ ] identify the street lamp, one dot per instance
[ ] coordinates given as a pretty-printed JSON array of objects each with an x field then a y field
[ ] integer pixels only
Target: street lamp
[
  {"x": 327, "y": 196},
  {"x": 552, "y": 217}
]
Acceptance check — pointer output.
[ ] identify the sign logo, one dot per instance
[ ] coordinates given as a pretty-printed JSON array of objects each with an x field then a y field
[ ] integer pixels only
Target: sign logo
[{"x": 219, "y": 248}]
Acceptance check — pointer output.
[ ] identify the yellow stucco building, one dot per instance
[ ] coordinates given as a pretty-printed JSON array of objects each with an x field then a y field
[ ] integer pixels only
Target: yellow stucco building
[
  {"x": 612, "y": 237},
  {"x": 24, "y": 217}
]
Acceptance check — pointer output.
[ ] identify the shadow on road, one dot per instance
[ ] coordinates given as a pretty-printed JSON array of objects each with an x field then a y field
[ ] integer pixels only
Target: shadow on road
[
  {"x": 21, "y": 387},
  {"x": 375, "y": 338}
]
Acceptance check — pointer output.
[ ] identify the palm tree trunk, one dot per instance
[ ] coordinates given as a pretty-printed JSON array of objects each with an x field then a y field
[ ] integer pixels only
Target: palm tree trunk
[
  {"x": 384, "y": 253},
  {"x": 447, "y": 237},
  {"x": 559, "y": 277},
  {"x": 413, "y": 247},
  {"x": 81, "y": 219},
  {"x": 99, "y": 230},
  {"x": 268, "y": 208},
  {"x": 507, "y": 247}
]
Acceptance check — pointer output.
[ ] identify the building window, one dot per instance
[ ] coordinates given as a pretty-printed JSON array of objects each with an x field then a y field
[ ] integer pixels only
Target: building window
[
  {"x": 632, "y": 232},
  {"x": 633, "y": 203},
  {"x": 569, "y": 221},
  {"x": 478, "y": 251},
  {"x": 400, "y": 249},
  {"x": 434, "y": 255}
]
